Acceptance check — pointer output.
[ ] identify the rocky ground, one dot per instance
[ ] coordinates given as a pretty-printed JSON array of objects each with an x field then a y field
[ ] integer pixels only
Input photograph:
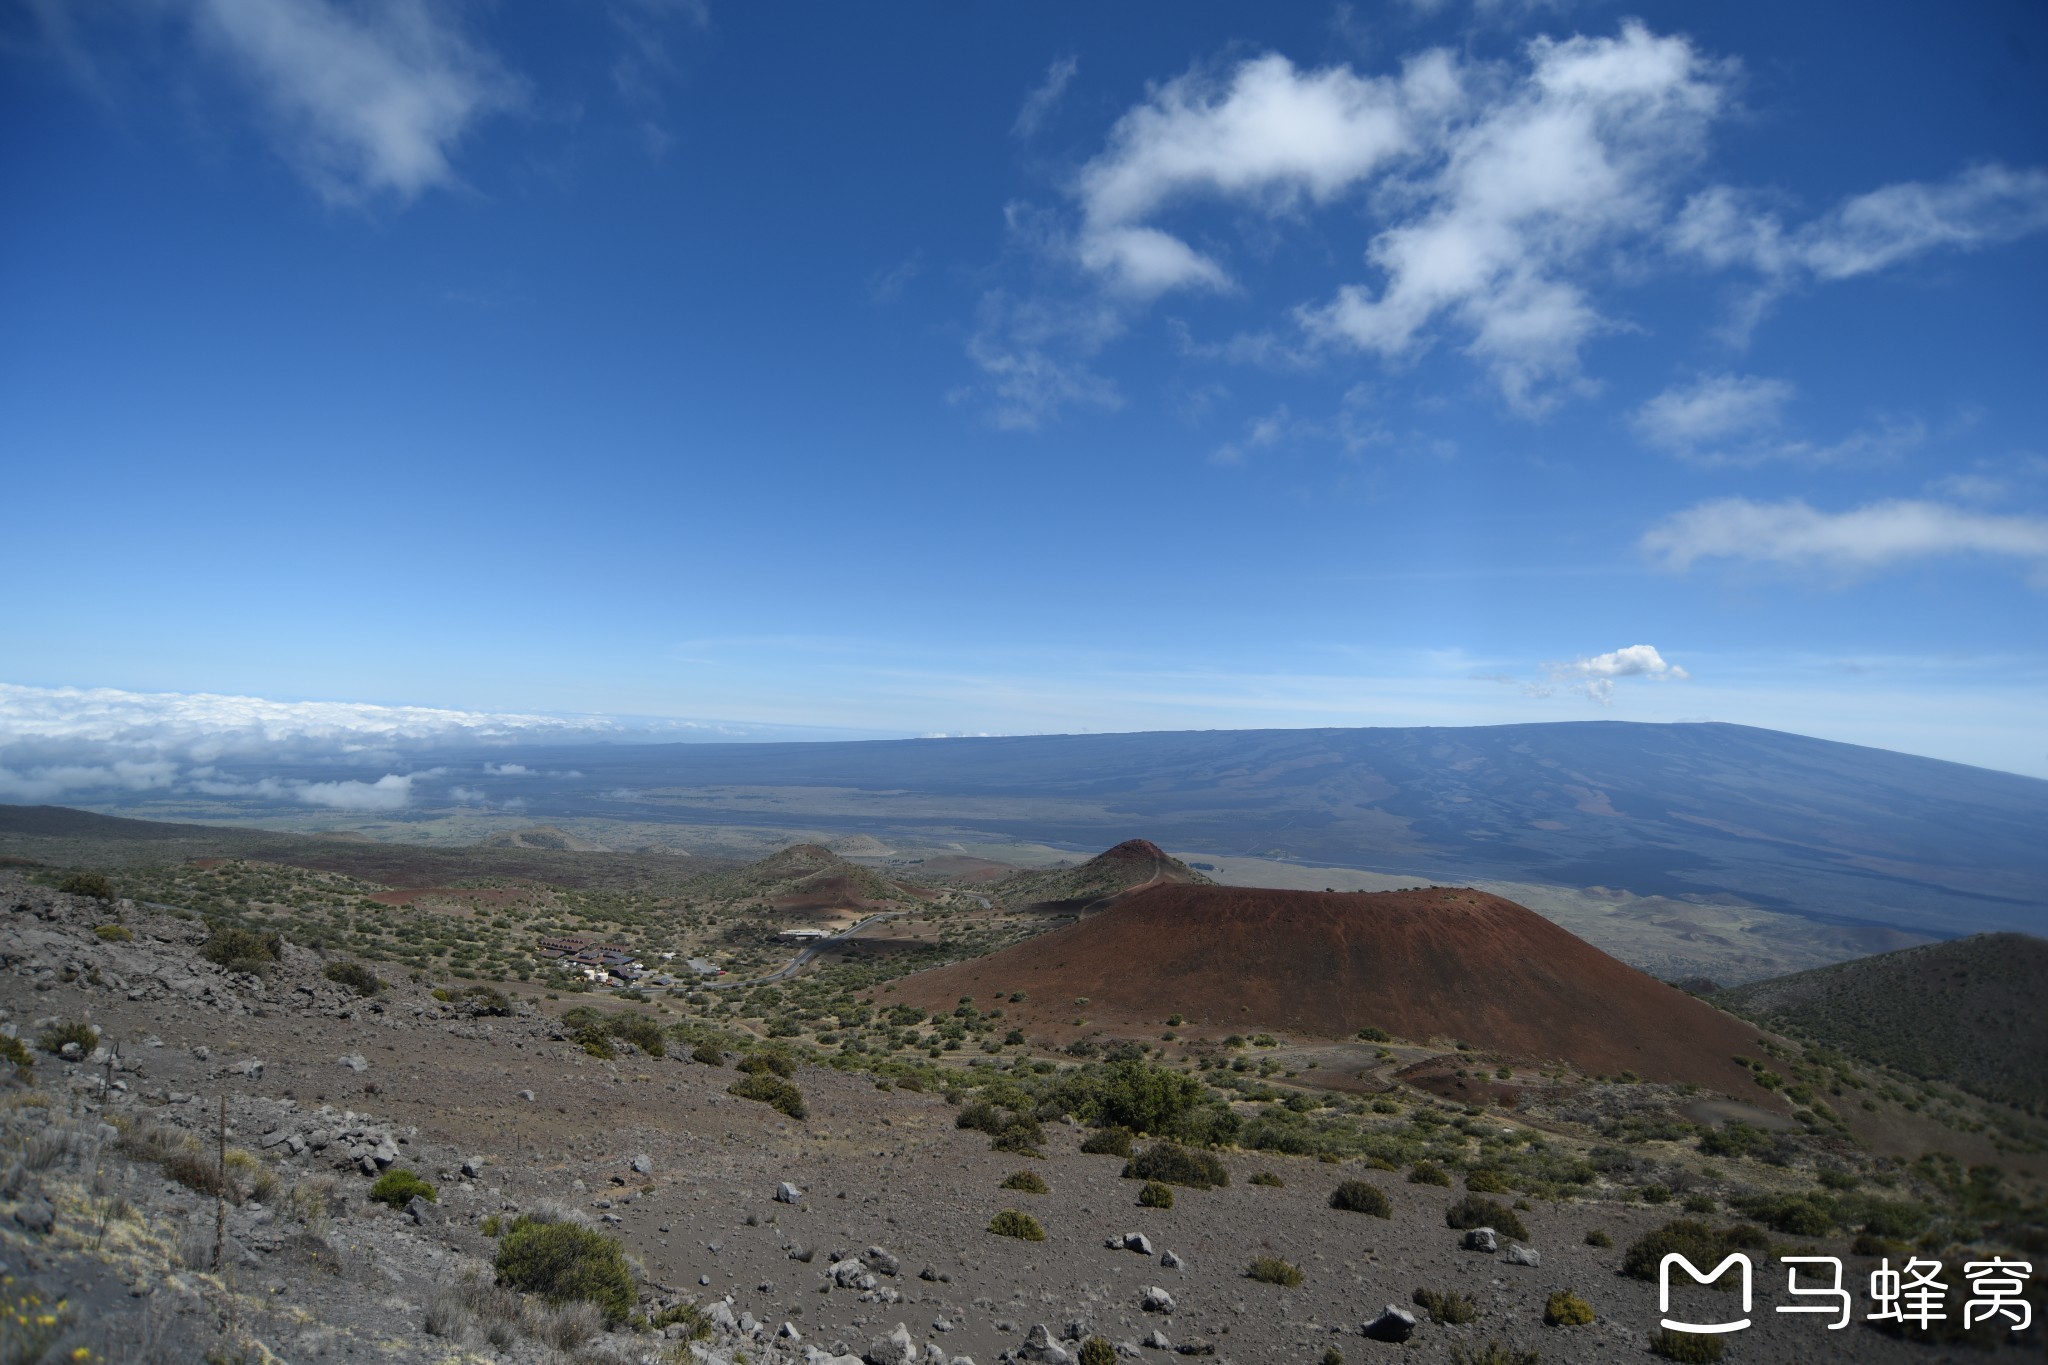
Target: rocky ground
[{"x": 324, "y": 1089}]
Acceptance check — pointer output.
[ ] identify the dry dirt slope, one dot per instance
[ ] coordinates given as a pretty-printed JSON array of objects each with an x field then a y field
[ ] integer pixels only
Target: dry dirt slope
[{"x": 1437, "y": 963}]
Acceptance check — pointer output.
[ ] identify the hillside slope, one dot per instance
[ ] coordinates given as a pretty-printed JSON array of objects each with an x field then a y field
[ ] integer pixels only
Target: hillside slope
[
  {"x": 1969, "y": 1012},
  {"x": 1436, "y": 963}
]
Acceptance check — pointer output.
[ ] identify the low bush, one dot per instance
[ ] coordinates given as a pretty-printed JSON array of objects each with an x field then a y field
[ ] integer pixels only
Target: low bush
[
  {"x": 1485, "y": 1181},
  {"x": 53, "y": 1038},
  {"x": 1155, "y": 1195},
  {"x": 1688, "y": 1348},
  {"x": 1370, "y": 1034},
  {"x": 91, "y": 884},
  {"x": 1429, "y": 1173},
  {"x": 1111, "y": 1141},
  {"x": 693, "y": 1320},
  {"x": 1691, "y": 1239},
  {"x": 113, "y": 933},
  {"x": 1492, "y": 1353},
  {"x": 1097, "y": 1351},
  {"x": 772, "y": 1091},
  {"x": 1268, "y": 1178},
  {"x": 773, "y": 1062},
  {"x": 1177, "y": 1165},
  {"x": 353, "y": 975},
  {"x": 1022, "y": 1137},
  {"x": 13, "y": 1052},
  {"x": 241, "y": 950},
  {"x": 1358, "y": 1196},
  {"x": 1566, "y": 1309},
  {"x": 397, "y": 1186},
  {"x": 1273, "y": 1270},
  {"x": 706, "y": 1054},
  {"x": 1452, "y": 1307},
  {"x": 1599, "y": 1237},
  {"x": 565, "y": 1263},
  {"x": 1031, "y": 1182},
  {"x": 1013, "y": 1223},
  {"x": 595, "y": 1031},
  {"x": 1474, "y": 1212}
]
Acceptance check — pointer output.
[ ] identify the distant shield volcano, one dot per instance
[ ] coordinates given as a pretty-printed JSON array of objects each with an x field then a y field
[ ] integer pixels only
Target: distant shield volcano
[{"x": 1442, "y": 963}]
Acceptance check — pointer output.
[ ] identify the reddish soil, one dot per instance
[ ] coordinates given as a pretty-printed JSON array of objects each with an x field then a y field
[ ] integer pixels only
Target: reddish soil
[
  {"x": 1142, "y": 851},
  {"x": 1441, "y": 963}
]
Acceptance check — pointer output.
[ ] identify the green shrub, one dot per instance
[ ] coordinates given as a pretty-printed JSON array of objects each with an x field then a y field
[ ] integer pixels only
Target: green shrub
[
  {"x": 1012, "y": 1223},
  {"x": 1701, "y": 1203},
  {"x": 1688, "y": 1237},
  {"x": 493, "y": 1224},
  {"x": 1656, "y": 1194},
  {"x": 1097, "y": 1351},
  {"x": 1429, "y": 1173},
  {"x": 1599, "y": 1237},
  {"x": 773, "y": 1062},
  {"x": 1147, "y": 1098},
  {"x": 113, "y": 933},
  {"x": 355, "y": 976},
  {"x": 1452, "y": 1307},
  {"x": 1370, "y": 1034},
  {"x": 53, "y": 1038},
  {"x": 12, "y": 1051},
  {"x": 696, "y": 1324},
  {"x": 1332, "y": 1356},
  {"x": 241, "y": 950},
  {"x": 1358, "y": 1196},
  {"x": 1177, "y": 1165},
  {"x": 1492, "y": 1353},
  {"x": 1688, "y": 1348},
  {"x": 1474, "y": 1212},
  {"x": 91, "y": 884},
  {"x": 1268, "y": 1178},
  {"x": 1031, "y": 1182},
  {"x": 397, "y": 1187},
  {"x": 1273, "y": 1270},
  {"x": 1566, "y": 1309},
  {"x": 772, "y": 1091},
  {"x": 1108, "y": 1142},
  {"x": 1485, "y": 1181},
  {"x": 563, "y": 1262},
  {"x": 707, "y": 1055},
  {"x": 1155, "y": 1195},
  {"x": 1021, "y": 1136}
]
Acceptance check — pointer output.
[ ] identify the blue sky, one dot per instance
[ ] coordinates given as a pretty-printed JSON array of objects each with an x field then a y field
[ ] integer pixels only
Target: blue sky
[{"x": 952, "y": 369}]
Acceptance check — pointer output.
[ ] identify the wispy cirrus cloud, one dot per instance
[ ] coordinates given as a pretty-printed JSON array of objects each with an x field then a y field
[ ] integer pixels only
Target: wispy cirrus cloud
[
  {"x": 1877, "y": 535},
  {"x": 362, "y": 100},
  {"x": 1045, "y": 96},
  {"x": 1729, "y": 228},
  {"x": 1731, "y": 419}
]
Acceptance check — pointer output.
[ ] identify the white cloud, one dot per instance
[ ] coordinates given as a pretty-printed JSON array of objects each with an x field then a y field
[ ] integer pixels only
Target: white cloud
[
  {"x": 1270, "y": 133},
  {"x": 1712, "y": 410},
  {"x": 1863, "y": 538},
  {"x": 1594, "y": 675},
  {"x": 467, "y": 796},
  {"x": 368, "y": 99},
  {"x": 393, "y": 791},
  {"x": 1046, "y": 96},
  {"x": 1260, "y": 433},
  {"x": 1493, "y": 187},
  {"x": 1575, "y": 157},
  {"x": 510, "y": 770},
  {"x": 1982, "y": 206},
  {"x": 1034, "y": 358},
  {"x": 1730, "y": 419}
]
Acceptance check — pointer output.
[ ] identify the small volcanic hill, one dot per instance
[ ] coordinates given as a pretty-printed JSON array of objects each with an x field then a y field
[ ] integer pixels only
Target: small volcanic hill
[
  {"x": 1437, "y": 963},
  {"x": 1966, "y": 1011},
  {"x": 1132, "y": 863},
  {"x": 812, "y": 878}
]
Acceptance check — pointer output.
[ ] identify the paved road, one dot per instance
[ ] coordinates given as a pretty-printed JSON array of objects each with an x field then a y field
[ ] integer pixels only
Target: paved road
[{"x": 804, "y": 958}]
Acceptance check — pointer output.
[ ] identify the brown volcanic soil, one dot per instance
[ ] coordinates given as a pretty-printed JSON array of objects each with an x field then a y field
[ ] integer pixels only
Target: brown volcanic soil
[{"x": 1437, "y": 963}]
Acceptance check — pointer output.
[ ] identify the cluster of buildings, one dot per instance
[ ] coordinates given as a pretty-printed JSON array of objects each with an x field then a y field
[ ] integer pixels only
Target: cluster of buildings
[{"x": 611, "y": 964}]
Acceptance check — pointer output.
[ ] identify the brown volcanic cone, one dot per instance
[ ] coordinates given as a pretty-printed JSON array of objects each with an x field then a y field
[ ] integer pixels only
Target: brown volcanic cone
[{"x": 1437, "y": 963}]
